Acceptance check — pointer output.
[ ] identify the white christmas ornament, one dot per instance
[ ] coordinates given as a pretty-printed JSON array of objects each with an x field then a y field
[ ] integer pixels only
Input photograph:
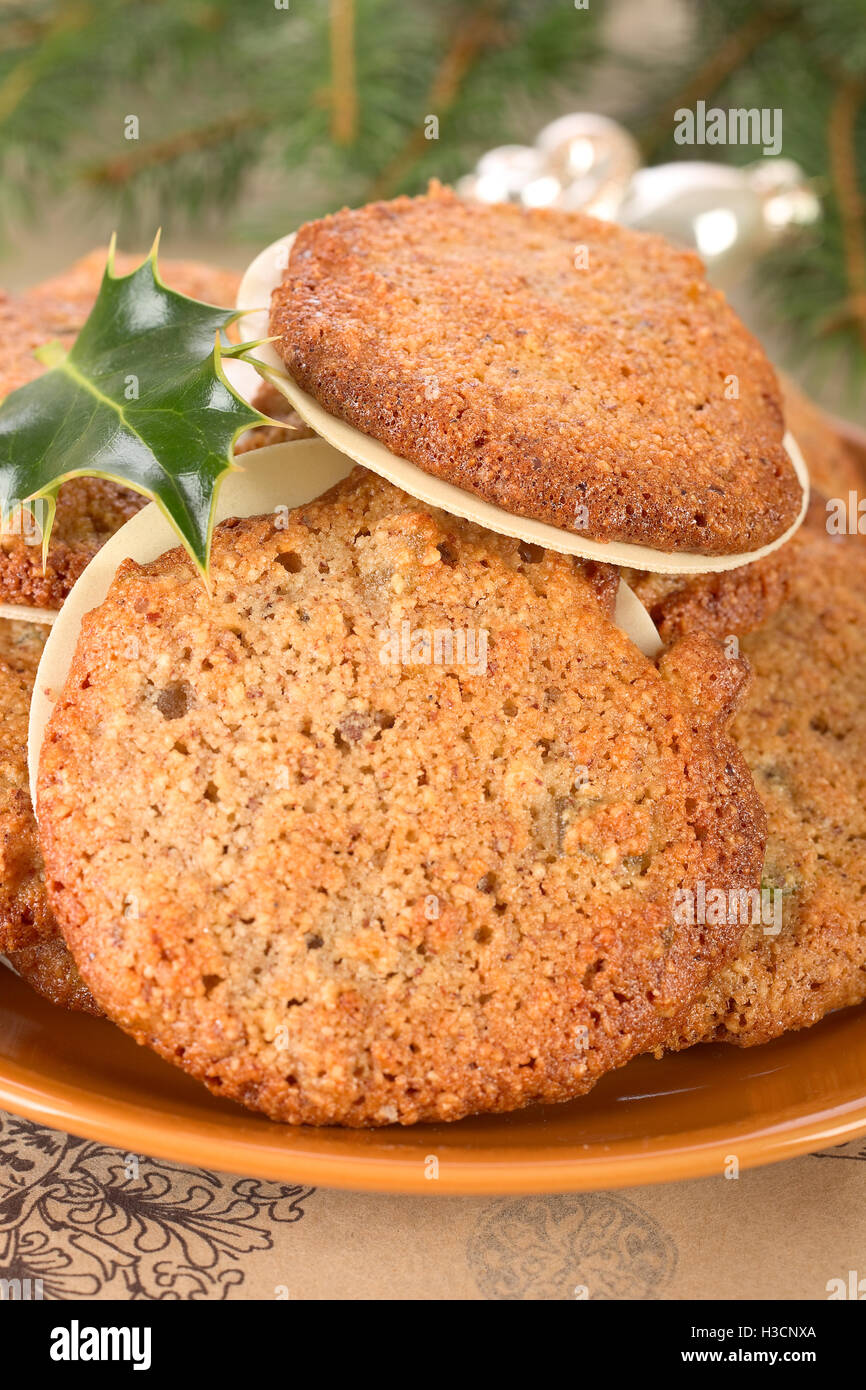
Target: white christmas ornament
[
  {"x": 502, "y": 175},
  {"x": 728, "y": 215},
  {"x": 593, "y": 159},
  {"x": 590, "y": 163}
]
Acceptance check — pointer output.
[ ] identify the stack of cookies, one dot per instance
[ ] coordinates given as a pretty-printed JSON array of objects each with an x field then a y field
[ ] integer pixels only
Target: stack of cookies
[{"x": 395, "y": 822}]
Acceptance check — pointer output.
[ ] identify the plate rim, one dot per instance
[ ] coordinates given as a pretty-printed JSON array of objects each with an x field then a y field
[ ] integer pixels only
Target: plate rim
[{"x": 621, "y": 1164}]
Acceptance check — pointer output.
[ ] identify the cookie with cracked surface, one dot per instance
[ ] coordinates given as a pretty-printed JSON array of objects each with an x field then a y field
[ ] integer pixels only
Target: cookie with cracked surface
[
  {"x": 389, "y": 828},
  {"x": 467, "y": 341},
  {"x": 802, "y": 730},
  {"x": 89, "y": 510},
  {"x": 25, "y": 916},
  {"x": 48, "y": 968},
  {"x": 742, "y": 600},
  {"x": 28, "y": 931}
]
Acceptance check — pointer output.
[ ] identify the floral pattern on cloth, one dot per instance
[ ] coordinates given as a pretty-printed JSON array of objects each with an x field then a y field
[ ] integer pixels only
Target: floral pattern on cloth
[{"x": 79, "y": 1221}]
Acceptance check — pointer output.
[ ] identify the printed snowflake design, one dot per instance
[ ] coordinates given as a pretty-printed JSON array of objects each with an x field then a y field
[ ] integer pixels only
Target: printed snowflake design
[{"x": 86, "y": 1220}]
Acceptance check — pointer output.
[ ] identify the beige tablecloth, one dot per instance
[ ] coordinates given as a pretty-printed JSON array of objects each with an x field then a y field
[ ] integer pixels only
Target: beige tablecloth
[{"x": 94, "y": 1222}]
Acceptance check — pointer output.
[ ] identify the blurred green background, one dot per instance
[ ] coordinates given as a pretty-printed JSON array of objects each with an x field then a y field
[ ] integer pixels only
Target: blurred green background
[{"x": 253, "y": 115}]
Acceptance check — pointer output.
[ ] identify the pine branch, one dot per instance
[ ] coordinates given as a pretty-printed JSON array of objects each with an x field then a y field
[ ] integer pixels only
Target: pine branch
[
  {"x": 19, "y": 33},
  {"x": 337, "y": 100},
  {"x": 724, "y": 61},
  {"x": 475, "y": 33},
  {"x": 841, "y": 139},
  {"x": 344, "y": 84},
  {"x": 17, "y": 84},
  {"x": 115, "y": 172}
]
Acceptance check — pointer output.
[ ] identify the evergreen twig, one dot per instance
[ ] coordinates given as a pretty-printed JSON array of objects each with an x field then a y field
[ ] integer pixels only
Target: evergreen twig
[
  {"x": 344, "y": 84},
  {"x": 17, "y": 84},
  {"x": 474, "y": 34},
  {"x": 724, "y": 61},
  {"x": 121, "y": 170},
  {"x": 852, "y": 209}
]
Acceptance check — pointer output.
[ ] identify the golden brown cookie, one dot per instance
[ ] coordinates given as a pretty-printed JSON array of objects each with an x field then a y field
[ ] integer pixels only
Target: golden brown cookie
[
  {"x": 57, "y": 308},
  {"x": 561, "y": 367},
  {"x": 25, "y": 916},
  {"x": 740, "y": 600},
  {"x": 48, "y": 968},
  {"x": 802, "y": 729},
  {"x": 725, "y": 604},
  {"x": 28, "y": 931},
  {"x": 89, "y": 510},
  {"x": 389, "y": 828}
]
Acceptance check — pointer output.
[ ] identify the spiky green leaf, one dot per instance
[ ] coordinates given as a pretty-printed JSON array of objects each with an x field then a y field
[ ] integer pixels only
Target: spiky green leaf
[{"x": 141, "y": 399}]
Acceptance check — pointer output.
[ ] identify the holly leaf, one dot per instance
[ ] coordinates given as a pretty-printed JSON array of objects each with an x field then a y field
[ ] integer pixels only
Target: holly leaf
[{"x": 141, "y": 399}]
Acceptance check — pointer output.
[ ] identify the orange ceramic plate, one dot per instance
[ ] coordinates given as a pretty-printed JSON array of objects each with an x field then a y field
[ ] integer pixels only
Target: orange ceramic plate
[{"x": 652, "y": 1121}]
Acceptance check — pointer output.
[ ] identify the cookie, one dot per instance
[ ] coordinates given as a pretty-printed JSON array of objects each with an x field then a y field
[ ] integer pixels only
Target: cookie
[
  {"x": 89, "y": 510},
  {"x": 389, "y": 828},
  {"x": 28, "y": 931},
  {"x": 560, "y": 367},
  {"x": 741, "y": 600},
  {"x": 49, "y": 969},
  {"x": 725, "y": 604},
  {"x": 802, "y": 730},
  {"x": 25, "y": 916}
]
